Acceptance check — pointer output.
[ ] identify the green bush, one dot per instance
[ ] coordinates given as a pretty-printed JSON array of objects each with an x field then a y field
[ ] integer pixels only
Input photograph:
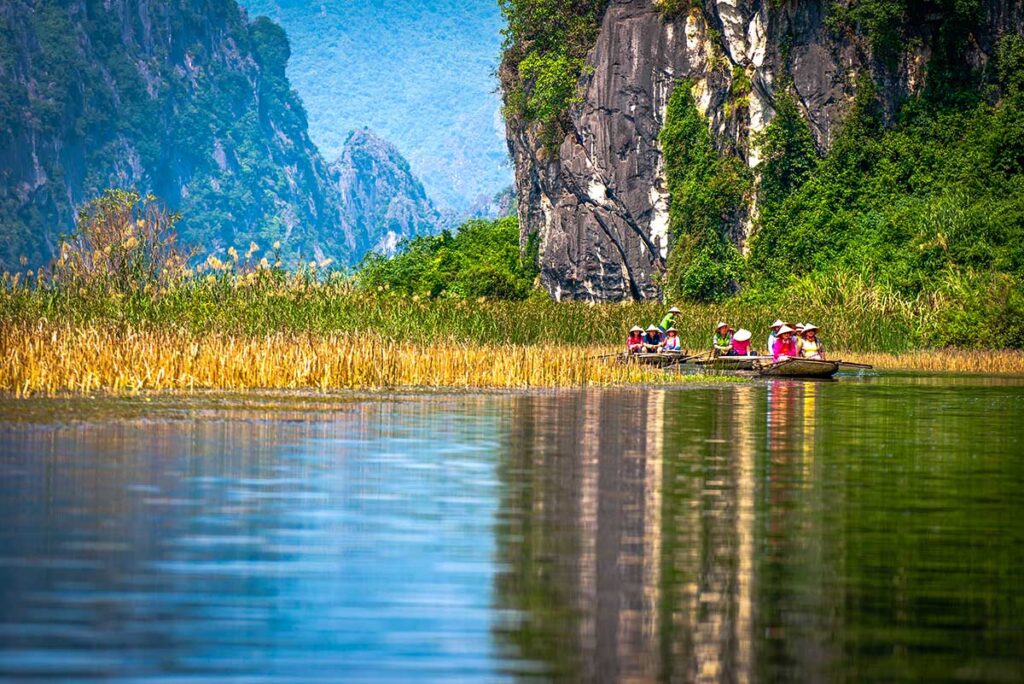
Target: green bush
[
  {"x": 707, "y": 191},
  {"x": 545, "y": 42},
  {"x": 482, "y": 259}
]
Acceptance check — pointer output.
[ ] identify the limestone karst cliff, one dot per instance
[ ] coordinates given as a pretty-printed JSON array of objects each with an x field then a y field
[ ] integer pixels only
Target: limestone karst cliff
[
  {"x": 189, "y": 101},
  {"x": 598, "y": 197},
  {"x": 382, "y": 202}
]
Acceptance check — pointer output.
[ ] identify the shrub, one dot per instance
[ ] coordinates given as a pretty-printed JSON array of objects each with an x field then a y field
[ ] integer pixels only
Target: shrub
[
  {"x": 124, "y": 242},
  {"x": 707, "y": 191}
]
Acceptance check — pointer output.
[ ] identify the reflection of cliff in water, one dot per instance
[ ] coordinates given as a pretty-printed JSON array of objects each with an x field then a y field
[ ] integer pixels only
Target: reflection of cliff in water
[{"x": 628, "y": 530}]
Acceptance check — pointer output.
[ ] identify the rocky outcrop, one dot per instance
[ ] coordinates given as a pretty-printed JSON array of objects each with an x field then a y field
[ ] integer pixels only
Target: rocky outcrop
[
  {"x": 382, "y": 202},
  {"x": 189, "y": 101},
  {"x": 599, "y": 202}
]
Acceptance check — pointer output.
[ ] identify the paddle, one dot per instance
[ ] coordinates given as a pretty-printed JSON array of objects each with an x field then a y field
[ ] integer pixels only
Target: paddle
[{"x": 850, "y": 364}]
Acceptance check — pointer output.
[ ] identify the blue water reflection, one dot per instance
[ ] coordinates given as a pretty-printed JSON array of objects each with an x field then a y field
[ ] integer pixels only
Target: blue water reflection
[
  {"x": 357, "y": 544},
  {"x": 862, "y": 530}
]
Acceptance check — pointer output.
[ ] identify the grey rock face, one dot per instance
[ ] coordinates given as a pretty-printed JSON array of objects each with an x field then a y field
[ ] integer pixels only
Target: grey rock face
[
  {"x": 382, "y": 202},
  {"x": 601, "y": 204}
]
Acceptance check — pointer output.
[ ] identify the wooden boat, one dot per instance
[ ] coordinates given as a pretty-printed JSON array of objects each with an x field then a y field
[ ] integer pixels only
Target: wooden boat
[
  {"x": 661, "y": 359},
  {"x": 732, "y": 363},
  {"x": 799, "y": 368}
]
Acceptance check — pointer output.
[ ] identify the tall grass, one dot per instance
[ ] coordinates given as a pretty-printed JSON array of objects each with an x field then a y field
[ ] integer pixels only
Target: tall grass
[
  {"x": 268, "y": 302},
  {"x": 53, "y": 359}
]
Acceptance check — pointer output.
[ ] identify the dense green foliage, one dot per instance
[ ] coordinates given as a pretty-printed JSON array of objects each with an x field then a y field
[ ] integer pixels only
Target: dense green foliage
[
  {"x": 890, "y": 25},
  {"x": 188, "y": 101},
  {"x": 933, "y": 206},
  {"x": 707, "y": 190},
  {"x": 544, "y": 49},
  {"x": 481, "y": 259}
]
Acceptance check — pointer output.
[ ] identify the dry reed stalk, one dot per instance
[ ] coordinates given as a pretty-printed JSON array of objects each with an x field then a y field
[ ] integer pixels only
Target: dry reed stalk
[
  {"x": 48, "y": 360},
  {"x": 944, "y": 360}
]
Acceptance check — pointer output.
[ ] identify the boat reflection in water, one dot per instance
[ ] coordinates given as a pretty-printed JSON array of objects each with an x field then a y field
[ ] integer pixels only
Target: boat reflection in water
[{"x": 653, "y": 537}]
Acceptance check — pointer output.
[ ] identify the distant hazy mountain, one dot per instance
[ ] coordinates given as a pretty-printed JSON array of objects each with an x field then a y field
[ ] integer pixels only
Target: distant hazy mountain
[
  {"x": 382, "y": 201},
  {"x": 419, "y": 72},
  {"x": 187, "y": 100}
]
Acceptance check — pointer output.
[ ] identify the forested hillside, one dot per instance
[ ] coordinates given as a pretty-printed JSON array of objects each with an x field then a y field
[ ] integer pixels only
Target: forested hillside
[
  {"x": 761, "y": 160},
  {"x": 187, "y": 100}
]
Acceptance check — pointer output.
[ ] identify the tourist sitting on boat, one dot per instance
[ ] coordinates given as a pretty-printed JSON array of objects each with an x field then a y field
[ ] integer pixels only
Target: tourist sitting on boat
[
  {"x": 740, "y": 344},
  {"x": 652, "y": 339},
  {"x": 785, "y": 345},
  {"x": 809, "y": 346},
  {"x": 669, "y": 321},
  {"x": 635, "y": 341},
  {"x": 773, "y": 335},
  {"x": 721, "y": 340},
  {"x": 799, "y": 332},
  {"x": 671, "y": 342}
]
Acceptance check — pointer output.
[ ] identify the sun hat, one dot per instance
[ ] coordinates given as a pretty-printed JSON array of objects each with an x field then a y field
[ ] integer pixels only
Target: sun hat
[
  {"x": 809, "y": 327},
  {"x": 672, "y": 329},
  {"x": 636, "y": 328},
  {"x": 721, "y": 325},
  {"x": 653, "y": 328},
  {"x": 742, "y": 335},
  {"x": 786, "y": 329},
  {"x": 777, "y": 324},
  {"x": 674, "y": 310}
]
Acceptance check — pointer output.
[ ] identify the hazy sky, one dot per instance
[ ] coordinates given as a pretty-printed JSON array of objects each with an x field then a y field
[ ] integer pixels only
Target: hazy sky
[{"x": 418, "y": 72}]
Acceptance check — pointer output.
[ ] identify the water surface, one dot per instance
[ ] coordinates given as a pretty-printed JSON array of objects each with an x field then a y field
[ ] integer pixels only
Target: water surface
[{"x": 866, "y": 529}]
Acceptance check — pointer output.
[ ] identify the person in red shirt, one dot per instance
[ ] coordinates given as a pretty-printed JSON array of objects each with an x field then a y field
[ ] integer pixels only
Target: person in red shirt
[
  {"x": 785, "y": 345},
  {"x": 635, "y": 341}
]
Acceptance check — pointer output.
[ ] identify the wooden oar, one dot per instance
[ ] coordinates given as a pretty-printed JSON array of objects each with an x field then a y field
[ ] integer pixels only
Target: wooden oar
[{"x": 851, "y": 364}]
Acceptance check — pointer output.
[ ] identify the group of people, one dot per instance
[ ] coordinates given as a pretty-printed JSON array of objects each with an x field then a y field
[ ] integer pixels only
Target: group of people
[
  {"x": 785, "y": 341},
  {"x": 799, "y": 341}
]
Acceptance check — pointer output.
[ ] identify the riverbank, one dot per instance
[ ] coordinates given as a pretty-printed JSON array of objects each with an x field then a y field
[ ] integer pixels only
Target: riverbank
[{"x": 46, "y": 360}]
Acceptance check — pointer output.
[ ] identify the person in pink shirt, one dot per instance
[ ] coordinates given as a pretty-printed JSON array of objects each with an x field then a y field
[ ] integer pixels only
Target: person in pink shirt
[
  {"x": 635, "y": 341},
  {"x": 785, "y": 345},
  {"x": 740, "y": 343}
]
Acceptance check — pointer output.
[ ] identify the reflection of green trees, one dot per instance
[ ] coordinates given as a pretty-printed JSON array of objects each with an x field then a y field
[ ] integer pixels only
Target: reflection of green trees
[
  {"x": 884, "y": 540},
  {"x": 534, "y": 553}
]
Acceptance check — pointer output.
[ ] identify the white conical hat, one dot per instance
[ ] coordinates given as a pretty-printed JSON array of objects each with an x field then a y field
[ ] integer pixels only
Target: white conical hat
[
  {"x": 777, "y": 324},
  {"x": 786, "y": 329},
  {"x": 742, "y": 335},
  {"x": 636, "y": 328}
]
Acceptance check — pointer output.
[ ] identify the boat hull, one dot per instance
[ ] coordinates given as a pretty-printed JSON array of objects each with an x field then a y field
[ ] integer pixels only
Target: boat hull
[
  {"x": 660, "y": 360},
  {"x": 800, "y": 368}
]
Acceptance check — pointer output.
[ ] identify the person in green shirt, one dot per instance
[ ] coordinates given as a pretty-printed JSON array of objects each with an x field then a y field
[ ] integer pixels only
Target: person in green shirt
[
  {"x": 669, "y": 321},
  {"x": 722, "y": 340}
]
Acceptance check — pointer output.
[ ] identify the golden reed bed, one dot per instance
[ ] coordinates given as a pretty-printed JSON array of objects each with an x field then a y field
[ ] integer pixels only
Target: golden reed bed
[
  {"x": 52, "y": 360},
  {"x": 1001, "y": 362},
  {"x": 47, "y": 360}
]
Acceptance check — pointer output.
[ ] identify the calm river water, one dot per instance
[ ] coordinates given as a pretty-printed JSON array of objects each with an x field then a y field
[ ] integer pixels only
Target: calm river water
[{"x": 862, "y": 530}]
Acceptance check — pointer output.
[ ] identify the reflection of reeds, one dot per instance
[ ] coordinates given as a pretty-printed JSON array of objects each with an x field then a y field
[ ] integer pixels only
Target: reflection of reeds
[
  {"x": 941, "y": 360},
  {"x": 56, "y": 359}
]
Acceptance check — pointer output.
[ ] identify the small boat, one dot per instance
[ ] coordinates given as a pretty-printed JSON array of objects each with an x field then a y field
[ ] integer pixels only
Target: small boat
[
  {"x": 659, "y": 359},
  {"x": 799, "y": 368},
  {"x": 732, "y": 363}
]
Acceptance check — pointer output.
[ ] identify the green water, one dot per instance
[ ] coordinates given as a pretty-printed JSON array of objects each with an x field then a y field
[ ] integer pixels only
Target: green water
[{"x": 870, "y": 529}]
